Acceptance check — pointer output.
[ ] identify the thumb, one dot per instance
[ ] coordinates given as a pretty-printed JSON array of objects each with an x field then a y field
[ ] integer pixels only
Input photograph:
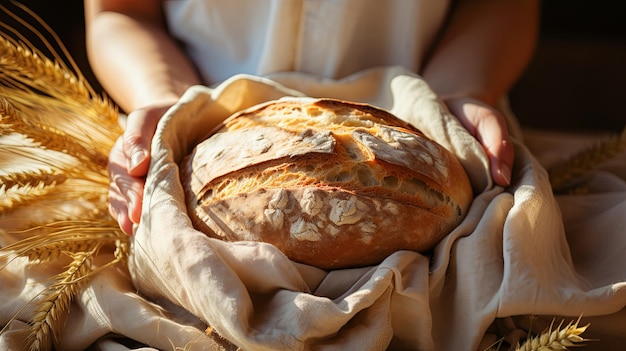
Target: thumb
[{"x": 140, "y": 128}]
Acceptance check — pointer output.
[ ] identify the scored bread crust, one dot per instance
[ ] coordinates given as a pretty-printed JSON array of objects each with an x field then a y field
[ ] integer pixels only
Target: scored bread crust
[{"x": 330, "y": 183}]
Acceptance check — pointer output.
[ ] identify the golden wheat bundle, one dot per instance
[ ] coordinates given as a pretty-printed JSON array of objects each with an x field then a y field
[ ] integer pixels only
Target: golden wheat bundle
[{"x": 55, "y": 136}]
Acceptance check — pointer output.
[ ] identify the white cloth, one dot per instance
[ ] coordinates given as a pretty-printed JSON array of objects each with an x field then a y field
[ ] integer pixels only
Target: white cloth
[
  {"x": 520, "y": 251},
  {"x": 328, "y": 38},
  {"x": 510, "y": 256}
]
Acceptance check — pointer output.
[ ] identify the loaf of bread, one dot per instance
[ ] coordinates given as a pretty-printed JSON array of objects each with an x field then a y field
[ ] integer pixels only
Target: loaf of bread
[{"x": 330, "y": 183}]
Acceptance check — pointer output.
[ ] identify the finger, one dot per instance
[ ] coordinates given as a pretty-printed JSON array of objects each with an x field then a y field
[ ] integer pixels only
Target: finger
[
  {"x": 140, "y": 128},
  {"x": 491, "y": 130},
  {"x": 119, "y": 211},
  {"x": 489, "y": 127},
  {"x": 131, "y": 190},
  {"x": 125, "y": 205},
  {"x": 125, "y": 191},
  {"x": 502, "y": 165}
]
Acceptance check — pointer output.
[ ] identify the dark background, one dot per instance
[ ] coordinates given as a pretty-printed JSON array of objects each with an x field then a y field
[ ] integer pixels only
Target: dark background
[{"x": 576, "y": 81}]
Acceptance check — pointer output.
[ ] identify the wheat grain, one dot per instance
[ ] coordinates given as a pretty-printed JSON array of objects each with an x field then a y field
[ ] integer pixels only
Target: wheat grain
[
  {"x": 52, "y": 251},
  {"x": 53, "y": 248},
  {"x": 32, "y": 179},
  {"x": 122, "y": 249},
  {"x": 7, "y": 115}
]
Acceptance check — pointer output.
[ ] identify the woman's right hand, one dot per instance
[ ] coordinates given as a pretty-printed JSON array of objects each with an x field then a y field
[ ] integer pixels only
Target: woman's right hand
[{"x": 128, "y": 165}]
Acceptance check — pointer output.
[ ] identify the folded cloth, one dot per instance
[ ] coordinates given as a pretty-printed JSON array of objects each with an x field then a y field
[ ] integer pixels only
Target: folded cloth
[
  {"x": 510, "y": 256},
  {"x": 520, "y": 251}
]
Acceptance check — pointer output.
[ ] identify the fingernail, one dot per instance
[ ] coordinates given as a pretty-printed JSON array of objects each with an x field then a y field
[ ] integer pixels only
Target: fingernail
[
  {"x": 505, "y": 172},
  {"x": 136, "y": 158}
]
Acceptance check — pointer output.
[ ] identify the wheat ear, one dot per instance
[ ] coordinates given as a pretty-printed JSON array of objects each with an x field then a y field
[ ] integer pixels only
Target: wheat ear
[
  {"x": 559, "y": 338},
  {"x": 556, "y": 339},
  {"x": 44, "y": 326},
  {"x": 48, "y": 242},
  {"x": 71, "y": 128},
  {"x": 32, "y": 183},
  {"x": 49, "y": 101},
  {"x": 565, "y": 174},
  {"x": 33, "y": 176},
  {"x": 24, "y": 66}
]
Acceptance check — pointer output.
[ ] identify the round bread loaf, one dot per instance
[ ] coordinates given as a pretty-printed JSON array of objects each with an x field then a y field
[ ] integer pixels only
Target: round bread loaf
[{"x": 330, "y": 183}]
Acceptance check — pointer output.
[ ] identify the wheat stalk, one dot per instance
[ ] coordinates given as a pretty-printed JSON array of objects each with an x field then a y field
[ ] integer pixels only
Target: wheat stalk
[
  {"x": 565, "y": 174},
  {"x": 44, "y": 324},
  {"x": 76, "y": 118},
  {"x": 81, "y": 241},
  {"x": 49, "y": 102}
]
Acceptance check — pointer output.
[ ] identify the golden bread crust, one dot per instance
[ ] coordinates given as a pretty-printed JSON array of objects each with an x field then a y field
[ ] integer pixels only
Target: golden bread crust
[{"x": 330, "y": 183}]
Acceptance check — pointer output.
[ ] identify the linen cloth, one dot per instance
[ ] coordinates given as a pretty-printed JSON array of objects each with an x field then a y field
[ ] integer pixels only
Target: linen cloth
[{"x": 520, "y": 251}]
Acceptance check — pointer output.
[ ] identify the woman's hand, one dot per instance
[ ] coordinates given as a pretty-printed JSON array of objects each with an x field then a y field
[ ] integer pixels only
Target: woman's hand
[
  {"x": 476, "y": 61},
  {"x": 489, "y": 127},
  {"x": 128, "y": 165}
]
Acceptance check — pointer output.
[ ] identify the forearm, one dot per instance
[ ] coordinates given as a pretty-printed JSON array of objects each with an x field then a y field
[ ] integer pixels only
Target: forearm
[
  {"x": 133, "y": 57},
  {"x": 484, "y": 48}
]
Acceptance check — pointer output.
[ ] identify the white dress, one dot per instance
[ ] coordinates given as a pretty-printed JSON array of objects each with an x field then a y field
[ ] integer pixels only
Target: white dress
[{"x": 327, "y": 38}]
